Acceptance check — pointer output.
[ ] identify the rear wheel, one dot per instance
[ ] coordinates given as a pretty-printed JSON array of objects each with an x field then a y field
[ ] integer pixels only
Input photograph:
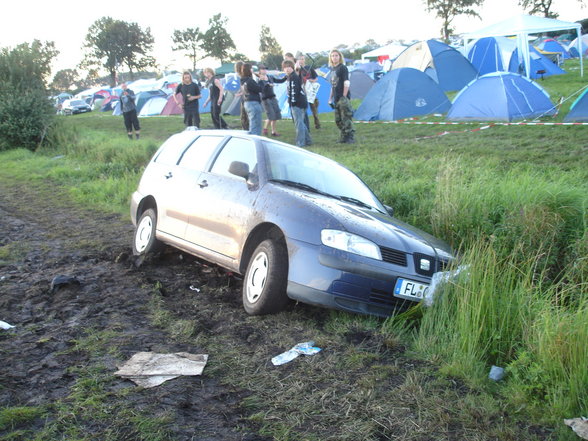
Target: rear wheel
[
  {"x": 144, "y": 240},
  {"x": 264, "y": 287}
]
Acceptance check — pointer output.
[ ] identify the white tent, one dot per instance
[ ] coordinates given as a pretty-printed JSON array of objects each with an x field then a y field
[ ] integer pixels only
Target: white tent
[
  {"x": 522, "y": 26},
  {"x": 391, "y": 50}
]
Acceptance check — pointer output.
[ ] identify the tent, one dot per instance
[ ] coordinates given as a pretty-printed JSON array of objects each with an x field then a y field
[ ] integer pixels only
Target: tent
[
  {"x": 579, "y": 110},
  {"x": 402, "y": 93},
  {"x": 449, "y": 68},
  {"x": 153, "y": 106},
  {"x": 390, "y": 51},
  {"x": 143, "y": 97},
  {"x": 551, "y": 45},
  {"x": 522, "y": 26},
  {"x": 361, "y": 83},
  {"x": 573, "y": 46},
  {"x": 541, "y": 66},
  {"x": 322, "y": 95},
  {"x": 500, "y": 96}
]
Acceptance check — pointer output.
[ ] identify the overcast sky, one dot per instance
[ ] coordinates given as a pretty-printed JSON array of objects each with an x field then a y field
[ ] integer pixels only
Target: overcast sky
[{"x": 311, "y": 26}]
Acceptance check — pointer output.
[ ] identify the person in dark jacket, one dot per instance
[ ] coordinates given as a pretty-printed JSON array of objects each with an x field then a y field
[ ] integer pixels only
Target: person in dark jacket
[
  {"x": 339, "y": 98},
  {"x": 129, "y": 111},
  {"x": 215, "y": 97},
  {"x": 191, "y": 93},
  {"x": 269, "y": 101},
  {"x": 251, "y": 99},
  {"x": 298, "y": 104}
]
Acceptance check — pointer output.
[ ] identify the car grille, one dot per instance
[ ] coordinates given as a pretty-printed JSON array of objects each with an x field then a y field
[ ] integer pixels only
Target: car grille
[
  {"x": 386, "y": 299},
  {"x": 436, "y": 264},
  {"x": 393, "y": 256}
]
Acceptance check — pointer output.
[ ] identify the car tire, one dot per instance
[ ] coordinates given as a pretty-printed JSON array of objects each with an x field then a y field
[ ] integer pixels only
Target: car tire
[
  {"x": 264, "y": 287},
  {"x": 144, "y": 240}
]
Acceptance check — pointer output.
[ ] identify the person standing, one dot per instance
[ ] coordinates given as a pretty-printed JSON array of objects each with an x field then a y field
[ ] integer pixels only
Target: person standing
[
  {"x": 252, "y": 99},
  {"x": 129, "y": 111},
  {"x": 339, "y": 98},
  {"x": 269, "y": 101},
  {"x": 298, "y": 104},
  {"x": 215, "y": 97},
  {"x": 310, "y": 83},
  {"x": 191, "y": 93},
  {"x": 242, "y": 112}
]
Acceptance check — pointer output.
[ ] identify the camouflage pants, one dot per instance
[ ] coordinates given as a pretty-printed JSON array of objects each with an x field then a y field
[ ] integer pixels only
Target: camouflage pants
[
  {"x": 314, "y": 109},
  {"x": 344, "y": 118}
]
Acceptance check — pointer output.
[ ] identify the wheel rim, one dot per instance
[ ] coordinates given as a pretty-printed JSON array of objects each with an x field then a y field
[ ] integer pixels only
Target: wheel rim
[
  {"x": 143, "y": 235},
  {"x": 257, "y": 276}
]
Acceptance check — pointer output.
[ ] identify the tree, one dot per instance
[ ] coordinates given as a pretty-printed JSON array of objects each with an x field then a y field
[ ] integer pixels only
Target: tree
[
  {"x": 189, "y": 41},
  {"x": 216, "y": 41},
  {"x": 26, "y": 114},
  {"x": 113, "y": 43},
  {"x": 269, "y": 48},
  {"x": 542, "y": 7},
  {"x": 65, "y": 80},
  {"x": 447, "y": 10}
]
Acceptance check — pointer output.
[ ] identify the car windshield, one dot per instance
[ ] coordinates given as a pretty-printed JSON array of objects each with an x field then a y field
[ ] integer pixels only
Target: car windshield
[
  {"x": 317, "y": 174},
  {"x": 77, "y": 103}
]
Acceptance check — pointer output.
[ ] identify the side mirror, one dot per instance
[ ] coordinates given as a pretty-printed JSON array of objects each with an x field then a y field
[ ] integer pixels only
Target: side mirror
[
  {"x": 239, "y": 168},
  {"x": 390, "y": 210}
]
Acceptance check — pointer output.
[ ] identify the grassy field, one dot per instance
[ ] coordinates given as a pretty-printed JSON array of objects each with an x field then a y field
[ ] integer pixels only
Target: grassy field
[{"x": 512, "y": 199}]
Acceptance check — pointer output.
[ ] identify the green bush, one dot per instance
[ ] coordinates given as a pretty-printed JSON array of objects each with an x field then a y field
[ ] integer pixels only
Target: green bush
[{"x": 25, "y": 118}]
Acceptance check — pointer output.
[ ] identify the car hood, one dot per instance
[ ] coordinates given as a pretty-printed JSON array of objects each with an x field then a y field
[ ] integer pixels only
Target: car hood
[{"x": 382, "y": 229}]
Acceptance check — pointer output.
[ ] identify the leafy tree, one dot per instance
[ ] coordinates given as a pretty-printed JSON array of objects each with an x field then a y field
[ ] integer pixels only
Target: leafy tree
[
  {"x": 26, "y": 114},
  {"x": 111, "y": 43},
  {"x": 216, "y": 41},
  {"x": 269, "y": 48},
  {"x": 542, "y": 7},
  {"x": 65, "y": 80},
  {"x": 447, "y": 10},
  {"x": 189, "y": 41}
]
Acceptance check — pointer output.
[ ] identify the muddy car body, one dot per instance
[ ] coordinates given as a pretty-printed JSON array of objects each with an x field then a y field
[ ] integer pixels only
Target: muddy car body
[{"x": 296, "y": 224}]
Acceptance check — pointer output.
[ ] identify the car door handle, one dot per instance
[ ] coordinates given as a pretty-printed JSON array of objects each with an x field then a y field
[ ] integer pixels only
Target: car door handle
[
  {"x": 169, "y": 175},
  {"x": 203, "y": 184}
]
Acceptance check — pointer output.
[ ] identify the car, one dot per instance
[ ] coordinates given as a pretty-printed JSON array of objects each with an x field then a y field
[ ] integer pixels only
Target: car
[
  {"x": 72, "y": 107},
  {"x": 297, "y": 225}
]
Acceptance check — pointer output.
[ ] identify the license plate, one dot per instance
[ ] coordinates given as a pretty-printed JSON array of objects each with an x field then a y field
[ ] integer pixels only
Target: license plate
[{"x": 409, "y": 289}]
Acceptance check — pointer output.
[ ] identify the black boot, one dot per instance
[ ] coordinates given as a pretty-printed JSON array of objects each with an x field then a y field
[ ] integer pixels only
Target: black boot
[
  {"x": 130, "y": 136},
  {"x": 350, "y": 139}
]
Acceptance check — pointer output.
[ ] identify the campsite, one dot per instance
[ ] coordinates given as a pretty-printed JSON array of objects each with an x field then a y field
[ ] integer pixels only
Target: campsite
[{"x": 493, "y": 160}]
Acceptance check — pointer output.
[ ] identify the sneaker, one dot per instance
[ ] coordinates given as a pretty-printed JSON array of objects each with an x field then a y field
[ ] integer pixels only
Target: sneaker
[{"x": 276, "y": 134}]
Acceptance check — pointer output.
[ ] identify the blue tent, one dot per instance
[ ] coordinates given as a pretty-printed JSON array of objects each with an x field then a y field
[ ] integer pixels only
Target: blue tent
[
  {"x": 500, "y": 96},
  {"x": 449, "y": 68},
  {"x": 540, "y": 65},
  {"x": 579, "y": 110},
  {"x": 551, "y": 45},
  {"x": 323, "y": 96},
  {"x": 402, "y": 93}
]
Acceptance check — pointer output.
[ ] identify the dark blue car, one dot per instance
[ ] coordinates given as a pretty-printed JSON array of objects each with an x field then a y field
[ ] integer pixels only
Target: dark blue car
[{"x": 297, "y": 225}]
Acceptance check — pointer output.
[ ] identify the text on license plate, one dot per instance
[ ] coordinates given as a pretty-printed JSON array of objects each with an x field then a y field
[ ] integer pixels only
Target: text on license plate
[{"x": 409, "y": 289}]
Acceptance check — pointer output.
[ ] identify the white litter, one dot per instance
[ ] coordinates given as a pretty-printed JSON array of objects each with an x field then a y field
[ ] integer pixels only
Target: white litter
[
  {"x": 149, "y": 369},
  {"x": 306, "y": 348},
  {"x": 579, "y": 426},
  {"x": 438, "y": 280},
  {"x": 5, "y": 325}
]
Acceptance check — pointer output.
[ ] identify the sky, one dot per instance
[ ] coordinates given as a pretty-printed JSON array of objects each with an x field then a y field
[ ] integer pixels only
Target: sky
[{"x": 309, "y": 27}]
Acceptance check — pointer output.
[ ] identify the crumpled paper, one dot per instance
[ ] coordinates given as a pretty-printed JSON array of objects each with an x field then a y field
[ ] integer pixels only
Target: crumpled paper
[{"x": 149, "y": 369}]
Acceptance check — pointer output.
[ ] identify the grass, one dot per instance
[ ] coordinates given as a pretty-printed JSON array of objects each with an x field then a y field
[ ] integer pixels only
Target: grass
[{"x": 512, "y": 199}]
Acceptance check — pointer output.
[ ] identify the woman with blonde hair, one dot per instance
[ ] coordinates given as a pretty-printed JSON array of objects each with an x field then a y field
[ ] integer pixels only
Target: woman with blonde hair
[
  {"x": 340, "y": 97},
  {"x": 215, "y": 97}
]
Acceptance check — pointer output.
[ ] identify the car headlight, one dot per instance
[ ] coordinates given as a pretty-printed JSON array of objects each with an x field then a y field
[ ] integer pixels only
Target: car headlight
[{"x": 351, "y": 243}]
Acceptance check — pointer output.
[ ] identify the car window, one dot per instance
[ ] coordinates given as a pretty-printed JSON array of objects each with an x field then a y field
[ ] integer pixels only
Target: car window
[
  {"x": 172, "y": 149},
  {"x": 198, "y": 154},
  {"x": 237, "y": 149}
]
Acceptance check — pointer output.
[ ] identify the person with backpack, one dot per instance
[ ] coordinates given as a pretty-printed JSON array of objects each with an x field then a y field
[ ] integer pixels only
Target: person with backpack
[{"x": 129, "y": 111}]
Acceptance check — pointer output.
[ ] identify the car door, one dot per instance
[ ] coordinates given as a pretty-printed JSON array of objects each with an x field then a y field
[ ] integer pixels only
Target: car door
[
  {"x": 221, "y": 213},
  {"x": 182, "y": 183}
]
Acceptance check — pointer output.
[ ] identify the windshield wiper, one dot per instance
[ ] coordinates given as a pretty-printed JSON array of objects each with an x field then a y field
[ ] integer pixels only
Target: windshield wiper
[
  {"x": 355, "y": 201},
  {"x": 298, "y": 185}
]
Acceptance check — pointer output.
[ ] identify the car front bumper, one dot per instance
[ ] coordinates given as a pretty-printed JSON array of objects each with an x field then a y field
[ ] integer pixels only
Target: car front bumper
[{"x": 331, "y": 278}]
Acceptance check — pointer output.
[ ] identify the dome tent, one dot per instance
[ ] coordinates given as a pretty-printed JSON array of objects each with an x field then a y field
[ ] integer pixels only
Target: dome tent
[
  {"x": 500, "y": 96},
  {"x": 579, "y": 110},
  {"x": 402, "y": 93}
]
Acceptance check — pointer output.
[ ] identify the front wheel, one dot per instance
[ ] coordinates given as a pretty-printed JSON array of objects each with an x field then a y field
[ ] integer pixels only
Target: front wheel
[
  {"x": 144, "y": 240},
  {"x": 264, "y": 287}
]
